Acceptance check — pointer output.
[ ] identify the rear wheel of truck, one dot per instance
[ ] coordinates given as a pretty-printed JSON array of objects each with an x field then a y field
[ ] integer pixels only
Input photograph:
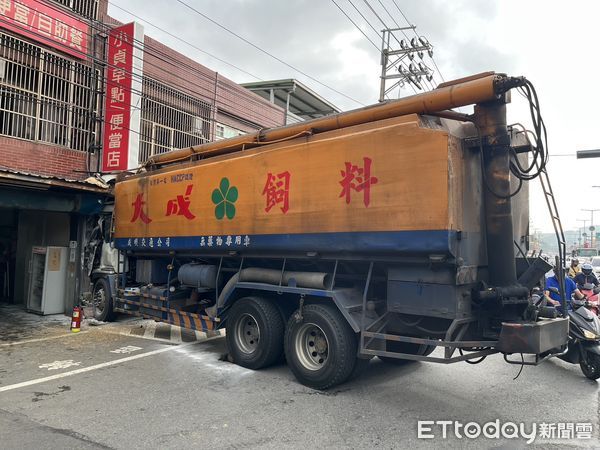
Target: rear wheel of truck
[
  {"x": 102, "y": 301},
  {"x": 321, "y": 348},
  {"x": 254, "y": 333},
  {"x": 406, "y": 347}
]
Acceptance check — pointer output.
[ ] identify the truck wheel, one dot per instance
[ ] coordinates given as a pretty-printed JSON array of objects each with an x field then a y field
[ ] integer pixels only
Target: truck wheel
[
  {"x": 321, "y": 349},
  {"x": 591, "y": 367},
  {"x": 406, "y": 347},
  {"x": 102, "y": 301},
  {"x": 254, "y": 333}
]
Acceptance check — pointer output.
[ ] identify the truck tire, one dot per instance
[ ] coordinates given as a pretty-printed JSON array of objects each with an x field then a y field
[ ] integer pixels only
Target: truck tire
[
  {"x": 254, "y": 333},
  {"x": 321, "y": 349},
  {"x": 102, "y": 301},
  {"x": 406, "y": 347}
]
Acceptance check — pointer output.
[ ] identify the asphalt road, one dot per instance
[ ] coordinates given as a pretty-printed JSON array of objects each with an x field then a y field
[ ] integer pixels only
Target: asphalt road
[{"x": 101, "y": 389}]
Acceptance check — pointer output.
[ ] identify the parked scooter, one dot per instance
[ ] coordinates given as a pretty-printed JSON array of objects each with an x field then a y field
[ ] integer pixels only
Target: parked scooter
[{"x": 583, "y": 346}]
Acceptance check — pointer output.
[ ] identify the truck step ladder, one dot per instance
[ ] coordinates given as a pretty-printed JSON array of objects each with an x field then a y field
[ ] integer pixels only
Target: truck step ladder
[{"x": 556, "y": 223}]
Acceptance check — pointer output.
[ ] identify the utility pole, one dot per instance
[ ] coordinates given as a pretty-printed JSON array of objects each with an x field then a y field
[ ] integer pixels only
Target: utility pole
[
  {"x": 592, "y": 228},
  {"x": 394, "y": 58},
  {"x": 584, "y": 232}
]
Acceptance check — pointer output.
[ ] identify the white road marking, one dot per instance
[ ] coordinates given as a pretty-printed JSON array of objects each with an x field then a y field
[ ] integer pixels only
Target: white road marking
[
  {"x": 11, "y": 387},
  {"x": 59, "y": 364},
  {"x": 128, "y": 349},
  {"x": 208, "y": 361},
  {"x": 42, "y": 339}
]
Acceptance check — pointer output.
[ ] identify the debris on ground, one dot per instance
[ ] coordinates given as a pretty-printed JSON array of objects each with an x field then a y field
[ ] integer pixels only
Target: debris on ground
[{"x": 94, "y": 322}]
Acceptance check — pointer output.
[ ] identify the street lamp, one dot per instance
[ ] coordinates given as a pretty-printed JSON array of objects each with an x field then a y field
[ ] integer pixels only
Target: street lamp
[
  {"x": 592, "y": 228},
  {"x": 584, "y": 233}
]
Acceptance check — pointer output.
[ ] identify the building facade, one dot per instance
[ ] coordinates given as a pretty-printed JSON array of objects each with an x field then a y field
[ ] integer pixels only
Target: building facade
[{"x": 53, "y": 124}]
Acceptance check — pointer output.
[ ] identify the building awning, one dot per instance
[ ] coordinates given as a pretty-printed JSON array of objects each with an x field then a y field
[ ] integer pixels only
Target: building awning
[
  {"x": 15, "y": 178},
  {"x": 303, "y": 101},
  {"x": 22, "y": 190}
]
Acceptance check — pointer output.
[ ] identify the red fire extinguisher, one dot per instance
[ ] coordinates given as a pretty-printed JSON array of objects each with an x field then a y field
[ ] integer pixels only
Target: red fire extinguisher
[{"x": 76, "y": 319}]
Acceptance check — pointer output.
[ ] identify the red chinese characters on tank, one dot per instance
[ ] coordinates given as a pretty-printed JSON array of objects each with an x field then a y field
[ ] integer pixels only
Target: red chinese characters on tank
[
  {"x": 138, "y": 210},
  {"x": 358, "y": 179},
  {"x": 180, "y": 206},
  {"x": 355, "y": 178},
  {"x": 277, "y": 191}
]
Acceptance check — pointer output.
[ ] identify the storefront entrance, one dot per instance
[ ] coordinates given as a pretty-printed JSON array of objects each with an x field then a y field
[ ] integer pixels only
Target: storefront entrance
[{"x": 8, "y": 253}]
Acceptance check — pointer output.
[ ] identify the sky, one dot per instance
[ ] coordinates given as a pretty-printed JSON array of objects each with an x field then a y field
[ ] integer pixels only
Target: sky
[{"x": 554, "y": 44}]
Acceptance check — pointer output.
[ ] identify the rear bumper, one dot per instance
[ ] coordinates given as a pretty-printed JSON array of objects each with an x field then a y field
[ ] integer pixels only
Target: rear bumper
[{"x": 533, "y": 337}]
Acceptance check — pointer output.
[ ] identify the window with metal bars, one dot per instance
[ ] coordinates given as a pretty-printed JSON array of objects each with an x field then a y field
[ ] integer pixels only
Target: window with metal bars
[
  {"x": 171, "y": 119},
  {"x": 85, "y": 8},
  {"x": 45, "y": 97},
  {"x": 223, "y": 131}
]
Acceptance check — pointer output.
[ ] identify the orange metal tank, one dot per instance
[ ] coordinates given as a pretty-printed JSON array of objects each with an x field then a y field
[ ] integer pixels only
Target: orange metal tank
[{"x": 476, "y": 89}]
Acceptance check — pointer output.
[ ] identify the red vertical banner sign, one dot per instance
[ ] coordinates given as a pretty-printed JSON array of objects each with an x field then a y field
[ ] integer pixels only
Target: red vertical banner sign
[{"x": 123, "y": 99}]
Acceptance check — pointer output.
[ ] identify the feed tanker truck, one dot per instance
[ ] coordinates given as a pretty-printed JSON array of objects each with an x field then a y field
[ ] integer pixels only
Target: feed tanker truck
[{"x": 390, "y": 231}]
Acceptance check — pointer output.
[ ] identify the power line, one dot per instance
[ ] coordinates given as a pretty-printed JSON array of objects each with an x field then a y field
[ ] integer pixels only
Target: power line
[
  {"x": 364, "y": 18},
  {"x": 194, "y": 93},
  {"x": 438, "y": 69},
  {"x": 398, "y": 26},
  {"x": 403, "y": 15},
  {"x": 184, "y": 41},
  {"x": 357, "y": 27},
  {"x": 385, "y": 26},
  {"x": 376, "y": 32},
  {"x": 376, "y": 15},
  {"x": 82, "y": 111},
  {"x": 247, "y": 94},
  {"x": 408, "y": 22},
  {"x": 267, "y": 53},
  {"x": 388, "y": 13},
  {"x": 102, "y": 27},
  {"x": 91, "y": 56}
]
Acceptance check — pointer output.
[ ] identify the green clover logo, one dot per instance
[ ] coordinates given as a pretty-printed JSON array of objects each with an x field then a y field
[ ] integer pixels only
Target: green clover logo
[{"x": 225, "y": 197}]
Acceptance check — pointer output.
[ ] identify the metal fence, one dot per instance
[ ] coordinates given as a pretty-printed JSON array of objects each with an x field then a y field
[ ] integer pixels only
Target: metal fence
[
  {"x": 171, "y": 120},
  {"x": 45, "y": 97}
]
